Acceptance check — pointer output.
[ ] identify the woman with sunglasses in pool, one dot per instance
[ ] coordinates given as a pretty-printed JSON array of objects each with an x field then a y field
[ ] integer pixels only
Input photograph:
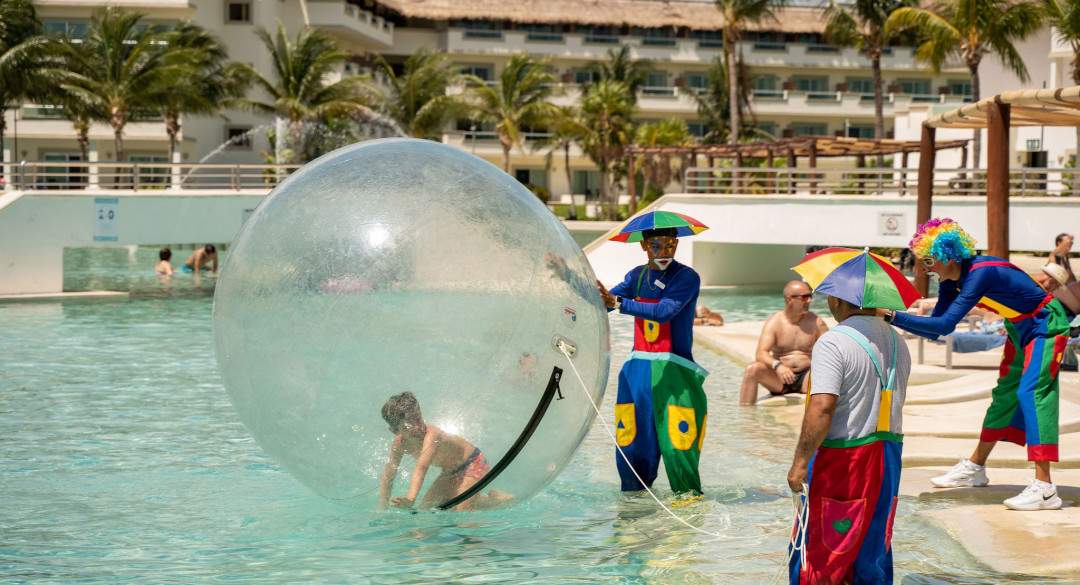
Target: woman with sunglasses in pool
[{"x": 1024, "y": 408}]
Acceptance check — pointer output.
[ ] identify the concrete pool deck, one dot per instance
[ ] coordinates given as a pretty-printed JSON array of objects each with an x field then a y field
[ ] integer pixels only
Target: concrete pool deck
[{"x": 942, "y": 417}]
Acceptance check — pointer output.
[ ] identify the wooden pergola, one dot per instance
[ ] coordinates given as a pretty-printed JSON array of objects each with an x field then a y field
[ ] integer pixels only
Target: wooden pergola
[
  {"x": 1026, "y": 107},
  {"x": 810, "y": 147}
]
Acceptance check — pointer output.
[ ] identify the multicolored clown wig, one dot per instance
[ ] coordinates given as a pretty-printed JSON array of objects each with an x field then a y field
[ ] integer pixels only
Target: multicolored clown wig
[{"x": 943, "y": 239}]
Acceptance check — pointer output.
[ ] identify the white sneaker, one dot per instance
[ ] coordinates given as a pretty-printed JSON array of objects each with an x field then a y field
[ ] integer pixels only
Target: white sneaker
[
  {"x": 1035, "y": 497},
  {"x": 963, "y": 474}
]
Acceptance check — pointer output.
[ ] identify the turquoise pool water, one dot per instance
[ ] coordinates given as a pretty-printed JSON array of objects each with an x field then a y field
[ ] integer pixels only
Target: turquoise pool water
[{"x": 122, "y": 460}]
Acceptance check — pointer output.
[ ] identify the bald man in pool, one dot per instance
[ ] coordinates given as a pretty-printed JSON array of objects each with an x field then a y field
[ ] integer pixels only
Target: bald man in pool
[{"x": 782, "y": 358}]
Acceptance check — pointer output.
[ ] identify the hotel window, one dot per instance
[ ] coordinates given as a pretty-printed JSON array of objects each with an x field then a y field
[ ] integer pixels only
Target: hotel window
[
  {"x": 918, "y": 88},
  {"x": 657, "y": 84},
  {"x": 656, "y": 36},
  {"x": 766, "y": 130},
  {"x": 860, "y": 131},
  {"x": 72, "y": 29},
  {"x": 238, "y": 137},
  {"x": 531, "y": 177},
  {"x": 861, "y": 86},
  {"x": 153, "y": 168},
  {"x": 960, "y": 88},
  {"x": 480, "y": 29},
  {"x": 764, "y": 86},
  {"x": 698, "y": 81},
  {"x": 600, "y": 34},
  {"x": 810, "y": 129},
  {"x": 587, "y": 180},
  {"x": 238, "y": 12},
  {"x": 484, "y": 72},
  {"x": 583, "y": 76},
  {"x": 708, "y": 38}
]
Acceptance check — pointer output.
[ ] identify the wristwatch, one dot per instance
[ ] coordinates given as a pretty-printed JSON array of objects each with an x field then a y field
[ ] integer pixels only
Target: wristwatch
[
  {"x": 776, "y": 364},
  {"x": 618, "y": 303},
  {"x": 889, "y": 315}
]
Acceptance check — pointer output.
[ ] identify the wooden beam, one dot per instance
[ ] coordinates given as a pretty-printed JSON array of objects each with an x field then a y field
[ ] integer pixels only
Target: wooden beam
[
  {"x": 926, "y": 193},
  {"x": 997, "y": 180},
  {"x": 792, "y": 162}
]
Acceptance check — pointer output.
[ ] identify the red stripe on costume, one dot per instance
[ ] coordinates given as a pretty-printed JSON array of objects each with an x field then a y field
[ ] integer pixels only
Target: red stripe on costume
[
  {"x": 1042, "y": 452},
  {"x": 1009, "y": 434},
  {"x": 1007, "y": 358}
]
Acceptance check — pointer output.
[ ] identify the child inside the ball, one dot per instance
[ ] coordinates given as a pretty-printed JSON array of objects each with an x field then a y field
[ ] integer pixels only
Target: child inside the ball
[{"x": 462, "y": 463}]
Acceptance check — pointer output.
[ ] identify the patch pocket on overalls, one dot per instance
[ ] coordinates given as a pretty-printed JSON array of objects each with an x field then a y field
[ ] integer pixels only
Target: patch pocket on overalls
[
  {"x": 842, "y": 522},
  {"x": 1060, "y": 341}
]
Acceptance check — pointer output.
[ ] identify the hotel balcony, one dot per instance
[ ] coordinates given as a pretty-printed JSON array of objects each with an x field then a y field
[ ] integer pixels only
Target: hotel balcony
[
  {"x": 841, "y": 103},
  {"x": 48, "y": 122},
  {"x": 155, "y": 9},
  {"x": 587, "y": 46},
  {"x": 351, "y": 23}
]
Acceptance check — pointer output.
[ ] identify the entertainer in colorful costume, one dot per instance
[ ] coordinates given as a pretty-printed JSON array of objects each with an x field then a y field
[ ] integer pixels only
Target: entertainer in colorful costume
[
  {"x": 849, "y": 451},
  {"x": 661, "y": 406},
  {"x": 1024, "y": 409}
]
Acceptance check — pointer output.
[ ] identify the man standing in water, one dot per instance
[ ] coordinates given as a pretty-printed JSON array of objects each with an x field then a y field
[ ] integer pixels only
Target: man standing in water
[
  {"x": 661, "y": 407},
  {"x": 1024, "y": 404},
  {"x": 849, "y": 451},
  {"x": 782, "y": 359}
]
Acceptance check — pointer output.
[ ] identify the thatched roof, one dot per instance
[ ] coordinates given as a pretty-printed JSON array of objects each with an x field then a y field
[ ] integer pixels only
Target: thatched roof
[
  {"x": 821, "y": 146},
  {"x": 642, "y": 13},
  {"x": 1028, "y": 107}
]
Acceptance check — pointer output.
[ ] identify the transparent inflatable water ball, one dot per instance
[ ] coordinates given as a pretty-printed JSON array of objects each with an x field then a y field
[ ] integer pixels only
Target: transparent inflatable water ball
[{"x": 405, "y": 265}]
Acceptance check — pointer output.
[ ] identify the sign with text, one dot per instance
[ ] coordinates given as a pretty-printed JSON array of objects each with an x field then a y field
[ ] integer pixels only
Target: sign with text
[
  {"x": 891, "y": 224},
  {"x": 106, "y": 219}
]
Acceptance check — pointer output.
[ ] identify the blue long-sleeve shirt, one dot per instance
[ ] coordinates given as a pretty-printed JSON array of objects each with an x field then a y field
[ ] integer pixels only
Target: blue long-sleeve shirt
[
  {"x": 1003, "y": 289},
  {"x": 677, "y": 301}
]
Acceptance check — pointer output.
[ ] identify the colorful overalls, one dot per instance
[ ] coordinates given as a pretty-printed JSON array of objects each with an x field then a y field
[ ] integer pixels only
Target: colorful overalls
[
  {"x": 852, "y": 497},
  {"x": 1024, "y": 409},
  {"x": 661, "y": 408}
]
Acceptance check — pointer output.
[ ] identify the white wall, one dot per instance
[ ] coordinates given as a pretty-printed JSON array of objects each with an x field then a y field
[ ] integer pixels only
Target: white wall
[{"x": 35, "y": 229}]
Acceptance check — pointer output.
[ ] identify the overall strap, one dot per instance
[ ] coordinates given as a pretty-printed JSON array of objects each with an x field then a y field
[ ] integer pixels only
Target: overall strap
[
  {"x": 641, "y": 275},
  {"x": 884, "y": 422},
  {"x": 861, "y": 339}
]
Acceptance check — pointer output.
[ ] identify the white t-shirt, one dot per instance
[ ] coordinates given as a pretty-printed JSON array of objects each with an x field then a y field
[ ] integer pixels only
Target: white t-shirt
[{"x": 841, "y": 366}]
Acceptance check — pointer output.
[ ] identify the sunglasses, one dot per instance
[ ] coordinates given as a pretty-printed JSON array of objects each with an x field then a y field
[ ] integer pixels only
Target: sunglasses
[
  {"x": 805, "y": 297},
  {"x": 928, "y": 261}
]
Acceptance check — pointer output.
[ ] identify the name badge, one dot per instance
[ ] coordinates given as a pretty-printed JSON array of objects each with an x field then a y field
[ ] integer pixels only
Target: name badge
[{"x": 659, "y": 284}]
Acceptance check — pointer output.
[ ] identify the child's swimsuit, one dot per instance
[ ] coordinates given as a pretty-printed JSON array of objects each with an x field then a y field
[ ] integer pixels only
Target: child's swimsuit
[{"x": 476, "y": 467}]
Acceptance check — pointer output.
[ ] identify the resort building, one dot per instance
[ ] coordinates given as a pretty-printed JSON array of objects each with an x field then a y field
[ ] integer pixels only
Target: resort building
[{"x": 800, "y": 84}]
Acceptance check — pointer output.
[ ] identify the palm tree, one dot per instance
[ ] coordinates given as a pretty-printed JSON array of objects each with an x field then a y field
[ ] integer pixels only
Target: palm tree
[
  {"x": 622, "y": 68},
  {"x": 862, "y": 24},
  {"x": 607, "y": 109},
  {"x": 713, "y": 103},
  {"x": 82, "y": 110},
  {"x": 737, "y": 15},
  {"x": 970, "y": 29},
  {"x": 124, "y": 69},
  {"x": 518, "y": 102},
  {"x": 22, "y": 48},
  {"x": 207, "y": 78},
  {"x": 417, "y": 99},
  {"x": 565, "y": 128},
  {"x": 656, "y": 169},
  {"x": 299, "y": 91},
  {"x": 1064, "y": 16}
]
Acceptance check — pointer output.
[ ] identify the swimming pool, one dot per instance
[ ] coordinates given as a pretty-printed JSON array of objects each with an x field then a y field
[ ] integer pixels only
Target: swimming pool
[{"x": 122, "y": 460}]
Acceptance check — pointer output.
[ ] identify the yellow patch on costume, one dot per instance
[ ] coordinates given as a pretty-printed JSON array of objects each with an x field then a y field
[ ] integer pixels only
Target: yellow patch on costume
[
  {"x": 625, "y": 424},
  {"x": 682, "y": 427}
]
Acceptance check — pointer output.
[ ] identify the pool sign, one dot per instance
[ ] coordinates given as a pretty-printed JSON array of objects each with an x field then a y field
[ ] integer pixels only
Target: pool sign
[
  {"x": 891, "y": 224},
  {"x": 106, "y": 211}
]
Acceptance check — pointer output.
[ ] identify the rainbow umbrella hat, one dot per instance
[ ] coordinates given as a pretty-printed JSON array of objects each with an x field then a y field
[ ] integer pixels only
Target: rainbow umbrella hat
[
  {"x": 657, "y": 220},
  {"x": 859, "y": 277}
]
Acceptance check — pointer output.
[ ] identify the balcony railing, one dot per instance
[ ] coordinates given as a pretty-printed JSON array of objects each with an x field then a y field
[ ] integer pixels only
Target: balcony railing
[
  {"x": 55, "y": 175},
  {"x": 1023, "y": 182},
  {"x": 482, "y": 33}
]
